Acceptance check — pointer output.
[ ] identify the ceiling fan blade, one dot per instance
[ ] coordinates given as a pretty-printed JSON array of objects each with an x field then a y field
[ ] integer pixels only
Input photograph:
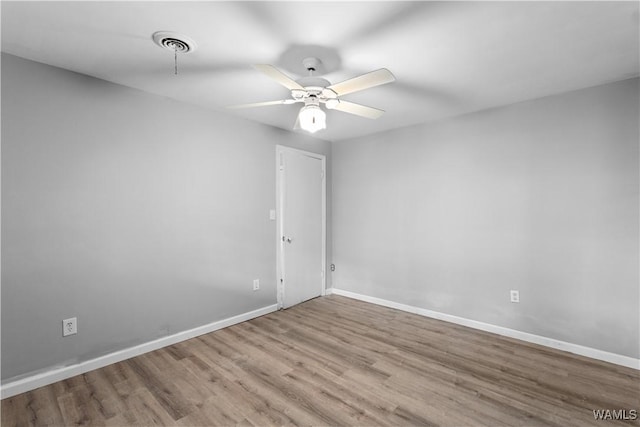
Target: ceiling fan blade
[
  {"x": 262, "y": 104},
  {"x": 358, "y": 109},
  {"x": 278, "y": 76},
  {"x": 365, "y": 81}
]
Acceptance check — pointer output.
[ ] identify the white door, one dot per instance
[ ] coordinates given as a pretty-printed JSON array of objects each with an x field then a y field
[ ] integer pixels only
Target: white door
[{"x": 301, "y": 226}]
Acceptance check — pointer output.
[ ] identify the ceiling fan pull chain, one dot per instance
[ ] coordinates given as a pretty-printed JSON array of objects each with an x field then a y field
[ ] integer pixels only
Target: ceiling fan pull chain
[
  {"x": 176, "y": 42},
  {"x": 175, "y": 58}
]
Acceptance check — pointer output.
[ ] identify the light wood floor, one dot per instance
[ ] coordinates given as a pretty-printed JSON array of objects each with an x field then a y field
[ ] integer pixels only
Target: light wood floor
[{"x": 338, "y": 362}]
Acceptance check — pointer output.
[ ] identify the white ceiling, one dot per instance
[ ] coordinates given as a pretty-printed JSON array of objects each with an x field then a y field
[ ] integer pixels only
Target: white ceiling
[{"x": 449, "y": 58}]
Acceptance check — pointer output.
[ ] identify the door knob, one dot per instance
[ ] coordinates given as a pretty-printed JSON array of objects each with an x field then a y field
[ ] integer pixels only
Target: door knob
[{"x": 287, "y": 239}]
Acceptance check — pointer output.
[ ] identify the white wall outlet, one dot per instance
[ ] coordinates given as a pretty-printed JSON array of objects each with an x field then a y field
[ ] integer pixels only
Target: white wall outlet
[
  {"x": 515, "y": 296},
  {"x": 256, "y": 284},
  {"x": 70, "y": 326},
  {"x": 272, "y": 214}
]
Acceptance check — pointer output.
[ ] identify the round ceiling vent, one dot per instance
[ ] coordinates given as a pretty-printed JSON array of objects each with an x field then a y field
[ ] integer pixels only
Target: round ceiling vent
[{"x": 174, "y": 41}]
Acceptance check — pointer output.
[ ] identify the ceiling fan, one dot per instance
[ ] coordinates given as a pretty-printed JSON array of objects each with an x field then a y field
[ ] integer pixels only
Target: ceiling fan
[{"x": 313, "y": 91}]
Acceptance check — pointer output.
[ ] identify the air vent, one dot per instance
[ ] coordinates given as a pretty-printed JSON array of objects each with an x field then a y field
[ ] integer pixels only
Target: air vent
[{"x": 174, "y": 41}]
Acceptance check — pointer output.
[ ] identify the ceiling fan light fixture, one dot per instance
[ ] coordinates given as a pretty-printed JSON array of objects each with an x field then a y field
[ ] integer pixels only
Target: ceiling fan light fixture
[
  {"x": 312, "y": 118},
  {"x": 331, "y": 103}
]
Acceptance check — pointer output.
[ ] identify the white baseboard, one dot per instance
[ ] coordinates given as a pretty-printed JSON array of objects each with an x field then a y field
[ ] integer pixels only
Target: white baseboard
[
  {"x": 593, "y": 353},
  {"x": 45, "y": 378}
]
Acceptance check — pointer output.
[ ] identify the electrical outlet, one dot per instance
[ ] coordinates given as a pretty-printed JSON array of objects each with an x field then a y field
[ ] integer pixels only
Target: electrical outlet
[
  {"x": 333, "y": 267},
  {"x": 256, "y": 284},
  {"x": 70, "y": 326},
  {"x": 515, "y": 296}
]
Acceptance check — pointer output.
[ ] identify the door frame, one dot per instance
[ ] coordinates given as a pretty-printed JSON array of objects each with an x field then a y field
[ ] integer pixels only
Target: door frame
[{"x": 280, "y": 194}]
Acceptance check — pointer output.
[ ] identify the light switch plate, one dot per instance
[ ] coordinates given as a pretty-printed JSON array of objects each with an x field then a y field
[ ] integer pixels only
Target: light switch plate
[{"x": 515, "y": 296}]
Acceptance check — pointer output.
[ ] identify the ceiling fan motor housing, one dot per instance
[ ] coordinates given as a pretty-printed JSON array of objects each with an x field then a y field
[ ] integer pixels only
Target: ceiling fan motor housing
[
  {"x": 312, "y": 81},
  {"x": 314, "y": 87}
]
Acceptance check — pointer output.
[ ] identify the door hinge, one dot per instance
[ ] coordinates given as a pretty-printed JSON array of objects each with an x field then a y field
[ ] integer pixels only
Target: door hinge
[{"x": 322, "y": 175}]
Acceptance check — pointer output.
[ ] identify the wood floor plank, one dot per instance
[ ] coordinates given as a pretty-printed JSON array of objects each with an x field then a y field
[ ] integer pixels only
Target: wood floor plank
[
  {"x": 16, "y": 411},
  {"x": 147, "y": 410},
  {"x": 334, "y": 361},
  {"x": 160, "y": 386}
]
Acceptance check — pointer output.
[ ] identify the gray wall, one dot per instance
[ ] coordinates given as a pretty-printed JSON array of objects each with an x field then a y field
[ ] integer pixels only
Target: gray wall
[
  {"x": 140, "y": 215},
  {"x": 539, "y": 196}
]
